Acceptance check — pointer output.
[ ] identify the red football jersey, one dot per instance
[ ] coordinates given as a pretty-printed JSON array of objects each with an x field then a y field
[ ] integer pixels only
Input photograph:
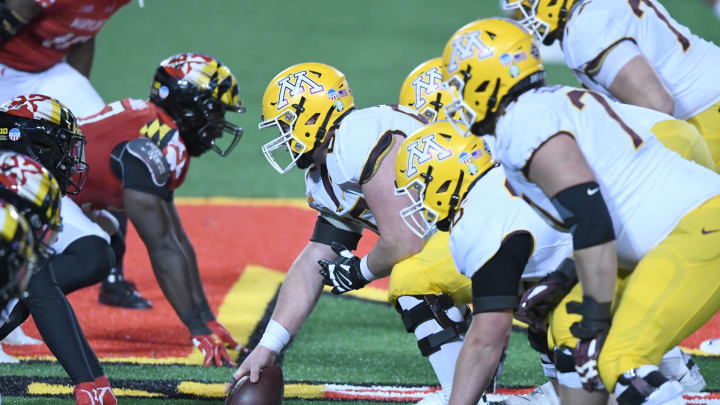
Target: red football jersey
[
  {"x": 50, "y": 35},
  {"x": 118, "y": 122}
]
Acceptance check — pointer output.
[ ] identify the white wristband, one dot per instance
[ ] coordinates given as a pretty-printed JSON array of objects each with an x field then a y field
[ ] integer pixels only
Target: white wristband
[
  {"x": 275, "y": 337},
  {"x": 365, "y": 270}
]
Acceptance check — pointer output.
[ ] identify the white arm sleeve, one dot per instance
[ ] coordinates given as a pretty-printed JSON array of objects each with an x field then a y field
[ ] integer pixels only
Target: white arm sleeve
[{"x": 614, "y": 60}]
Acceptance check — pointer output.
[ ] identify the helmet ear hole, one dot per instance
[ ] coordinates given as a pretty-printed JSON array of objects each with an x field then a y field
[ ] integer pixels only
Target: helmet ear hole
[
  {"x": 482, "y": 87},
  {"x": 444, "y": 187},
  {"x": 312, "y": 120}
]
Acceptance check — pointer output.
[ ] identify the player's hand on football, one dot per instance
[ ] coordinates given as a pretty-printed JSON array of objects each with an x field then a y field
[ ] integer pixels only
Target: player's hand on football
[
  {"x": 224, "y": 335},
  {"x": 212, "y": 349},
  {"x": 540, "y": 299},
  {"x": 260, "y": 357},
  {"x": 591, "y": 331},
  {"x": 343, "y": 273}
]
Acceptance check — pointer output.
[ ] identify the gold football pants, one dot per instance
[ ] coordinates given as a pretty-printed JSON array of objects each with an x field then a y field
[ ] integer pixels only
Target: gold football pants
[
  {"x": 672, "y": 292},
  {"x": 684, "y": 139},
  {"x": 431, "y": 271},
  {"x": 708, "y": 123}
]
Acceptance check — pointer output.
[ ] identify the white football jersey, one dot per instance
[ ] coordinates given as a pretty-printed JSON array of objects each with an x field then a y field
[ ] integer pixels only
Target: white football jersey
[
  {"x": 686, "y": 63},
  {"x": 360, "y": 143},
  {"x": 647, "y": 187},
  {"x": 490, "y": 213}
]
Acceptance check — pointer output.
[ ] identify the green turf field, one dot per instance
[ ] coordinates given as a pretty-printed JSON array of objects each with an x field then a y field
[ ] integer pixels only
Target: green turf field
[{"x": 375, "y": 43}]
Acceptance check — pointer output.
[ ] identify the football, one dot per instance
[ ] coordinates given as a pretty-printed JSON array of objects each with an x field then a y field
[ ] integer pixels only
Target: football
[{"x": 267, "y": 391}]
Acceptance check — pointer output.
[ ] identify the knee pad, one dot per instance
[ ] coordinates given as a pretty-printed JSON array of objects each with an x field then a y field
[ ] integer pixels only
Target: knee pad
[
  {"x": 565, "y": 368},
  {"x": 420, "y": 309}
]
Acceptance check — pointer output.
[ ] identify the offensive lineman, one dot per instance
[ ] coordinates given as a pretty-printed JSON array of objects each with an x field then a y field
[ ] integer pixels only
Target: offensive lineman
[
  {"x": 595, "y": 167},
  {"x": 635, "y": 52},
  {"x": 140, "y": 153},
  {"x": 348, "y": 155},
  {"x": 496, "y": 239}
]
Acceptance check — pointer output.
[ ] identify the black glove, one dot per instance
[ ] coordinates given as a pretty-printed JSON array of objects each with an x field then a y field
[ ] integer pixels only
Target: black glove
[
  {"x": 343, "y": 273},
  {"x": 540, "y": 299},
  {"x": 592, "y": 330}
]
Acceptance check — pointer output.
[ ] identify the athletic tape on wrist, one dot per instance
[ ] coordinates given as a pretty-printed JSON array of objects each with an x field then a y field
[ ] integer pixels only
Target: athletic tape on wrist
[
  {"x": 365, "y": 270},
  {"x": 275, "y": 337}
]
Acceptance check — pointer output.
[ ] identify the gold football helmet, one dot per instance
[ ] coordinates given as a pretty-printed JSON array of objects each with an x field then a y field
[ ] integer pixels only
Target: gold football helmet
[
  {"x": 435, "y": 168},
  {"x": 304, "y": 102},
  {"x": 545, "y": 18},
  {"x": 488, "y": 62},
  {"x": 422, "y": 90},
  {"x": 17, "y": 254}
]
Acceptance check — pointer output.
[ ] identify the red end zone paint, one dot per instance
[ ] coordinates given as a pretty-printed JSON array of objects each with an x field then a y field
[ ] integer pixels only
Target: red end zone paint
[{"x": 226, "y": 239}]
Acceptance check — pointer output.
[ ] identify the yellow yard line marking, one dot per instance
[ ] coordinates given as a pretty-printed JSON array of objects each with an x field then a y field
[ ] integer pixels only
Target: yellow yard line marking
[{"x": 57, "y": 389}]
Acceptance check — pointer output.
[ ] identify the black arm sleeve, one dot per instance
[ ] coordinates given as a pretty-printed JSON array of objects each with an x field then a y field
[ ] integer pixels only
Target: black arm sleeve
[
  {"x": 325, "y": 233},
  {"x": 136, "y": 175},
  {"x": 495, "y": 285}
]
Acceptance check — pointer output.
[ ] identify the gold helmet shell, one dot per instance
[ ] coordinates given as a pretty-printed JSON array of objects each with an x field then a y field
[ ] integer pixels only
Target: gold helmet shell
[
  {"x": 422, "y": 90},
  {"x": 304, "y": 102},
  {"x": 487, "y": 61},
  {"x": 434, "y": 168}
]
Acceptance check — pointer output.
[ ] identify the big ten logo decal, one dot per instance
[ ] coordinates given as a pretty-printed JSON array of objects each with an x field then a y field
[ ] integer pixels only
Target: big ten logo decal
[
  {"x": 465, "y": 47},
  {"x": 425, "y": 84},
  {"x": 290, "y": 89},
  {"x": 422, "y": 151}
]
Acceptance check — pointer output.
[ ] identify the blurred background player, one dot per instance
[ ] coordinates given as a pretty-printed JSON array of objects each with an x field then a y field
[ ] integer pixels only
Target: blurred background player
[
  {"x": 45, "y": 129},
  {"x": 35, "y": 37},
  {"x": 496, "y": 240},
  {"x": 312, "y": 106},
  {"x": 140, "y": 152},
  {"x": 17, "y": 256},
  {"x": 47, "y": 47},
  {"x": 656, "y": 221},
  {"x": 635, "y": 52}
]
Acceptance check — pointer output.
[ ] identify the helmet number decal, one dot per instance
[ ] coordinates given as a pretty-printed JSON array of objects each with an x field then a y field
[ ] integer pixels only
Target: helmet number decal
[
  {"x": 423, "y": 150},
  {"x": 302, "y": 82},
  {"x": 465, "y": 47}
]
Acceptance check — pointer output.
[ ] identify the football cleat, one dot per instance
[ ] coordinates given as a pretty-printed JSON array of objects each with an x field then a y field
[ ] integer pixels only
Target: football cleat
[
  {"x": 678, "y": 365},
  {"x": 18, "y": 338},
  {"x": 442, "y": 397},
  {"x": 103, "y": 392},
  {"x": 542, "y": 395},
  {"x": 84, "y": 394},
  {"x": 711, "y": 346},
  {"x": 6, "y": 358},
  {"x": 119, "y": 292}
]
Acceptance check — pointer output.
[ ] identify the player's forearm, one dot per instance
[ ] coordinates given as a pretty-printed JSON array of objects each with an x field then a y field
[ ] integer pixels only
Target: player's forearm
[
  {"x": 388, "y": 252},
  {"x": 475, "y": 367},
  {"x": 597, "y": 270},
  {"x": 81, "y": 56},
  {"x": 299, "y": 292}
]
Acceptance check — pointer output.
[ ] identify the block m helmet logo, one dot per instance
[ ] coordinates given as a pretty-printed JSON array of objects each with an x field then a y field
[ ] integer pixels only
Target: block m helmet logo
[
  {"x": 424, "y": 87},
  {"x": 465, "y": 47},
  {"x": 302, "y": 83},
  {"x": 422, "y": 151}
]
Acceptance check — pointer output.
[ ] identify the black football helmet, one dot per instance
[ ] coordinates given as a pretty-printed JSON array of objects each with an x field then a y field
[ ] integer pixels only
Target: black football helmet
[
  {"x": 17, "y": 254},
  {"x": 196, "y": 91},
  {"x": 44, "y": 129}
]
